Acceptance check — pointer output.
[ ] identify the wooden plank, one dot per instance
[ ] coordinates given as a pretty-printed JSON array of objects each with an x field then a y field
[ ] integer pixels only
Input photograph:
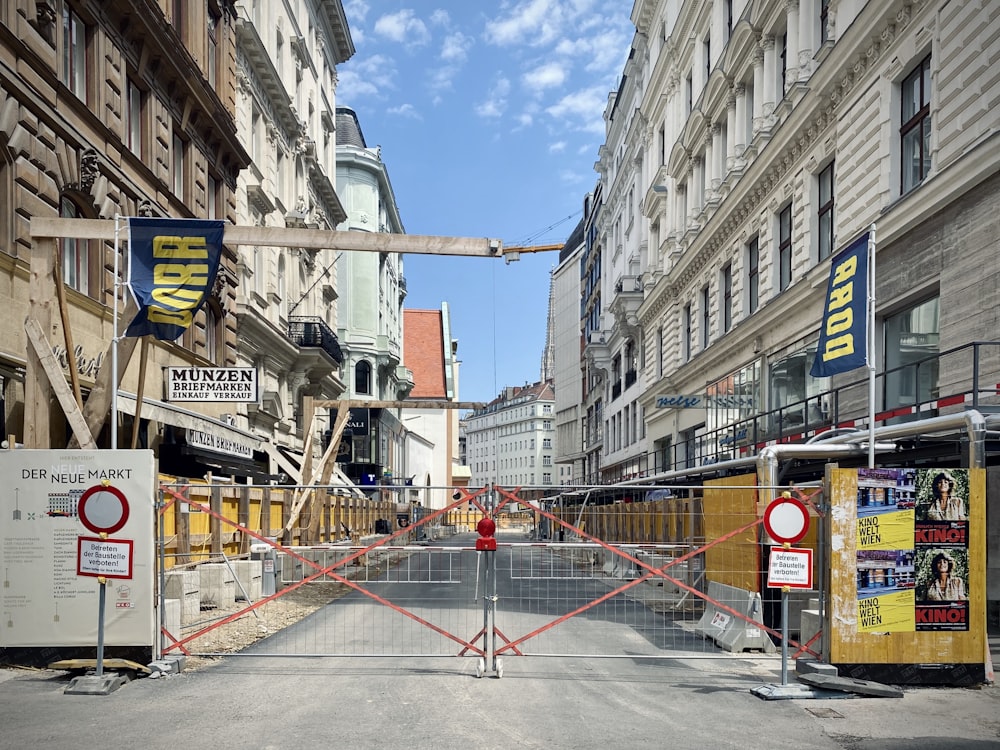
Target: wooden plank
[
  {"x": 37, "y": 388},
  {"x": 415, "y": 404},
  {"x": 58, "y": 383},
  {"x": 312, "y": 239}
]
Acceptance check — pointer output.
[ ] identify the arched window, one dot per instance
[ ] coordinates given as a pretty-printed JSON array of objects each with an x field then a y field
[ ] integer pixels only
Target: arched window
[
  {"x": 363, "y": 378},
  {"x": 77, "y": 261}
]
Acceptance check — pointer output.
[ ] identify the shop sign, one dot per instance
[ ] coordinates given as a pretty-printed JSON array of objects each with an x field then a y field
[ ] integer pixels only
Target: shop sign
[{"x": 212, "y": 384}]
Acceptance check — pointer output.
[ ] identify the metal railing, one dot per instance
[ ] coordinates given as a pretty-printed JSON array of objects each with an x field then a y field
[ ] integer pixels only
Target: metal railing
[{"x": 313, "y": 331}]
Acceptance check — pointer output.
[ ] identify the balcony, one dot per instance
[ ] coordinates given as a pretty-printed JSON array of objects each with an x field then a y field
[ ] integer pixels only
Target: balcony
[{"x": 313, "y": 332}]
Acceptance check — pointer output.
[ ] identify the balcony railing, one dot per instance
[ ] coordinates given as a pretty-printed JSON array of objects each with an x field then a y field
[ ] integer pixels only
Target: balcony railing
[
  {"x": 313, "y": 331},
  {"x": 966, "y": 377}
]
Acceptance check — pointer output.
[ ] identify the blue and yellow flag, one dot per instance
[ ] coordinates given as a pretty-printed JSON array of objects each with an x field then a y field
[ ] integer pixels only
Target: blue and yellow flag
[
  {"x": 843, "y": 341},
  {"x": 172, "y": 267}
]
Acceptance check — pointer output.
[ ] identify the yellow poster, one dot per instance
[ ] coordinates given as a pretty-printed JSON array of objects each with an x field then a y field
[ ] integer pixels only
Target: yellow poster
[
  {"x": 888, "y": 613},
  {"x": 886, "y": 530}
]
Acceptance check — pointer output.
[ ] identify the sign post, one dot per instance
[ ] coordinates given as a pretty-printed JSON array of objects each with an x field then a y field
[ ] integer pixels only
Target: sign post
[
  {"x": 102, "y": 509},
  {"x": 786, "y": 521}
]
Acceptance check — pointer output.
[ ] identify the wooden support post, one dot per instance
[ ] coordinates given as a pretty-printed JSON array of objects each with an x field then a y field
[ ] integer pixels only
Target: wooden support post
[{"x": 37, "y": 388}]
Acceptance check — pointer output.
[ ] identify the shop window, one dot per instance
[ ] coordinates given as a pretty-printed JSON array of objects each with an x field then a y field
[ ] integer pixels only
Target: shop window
[
  {"x": 796, "y": 400},
  {"x": 911, "y": 346}
]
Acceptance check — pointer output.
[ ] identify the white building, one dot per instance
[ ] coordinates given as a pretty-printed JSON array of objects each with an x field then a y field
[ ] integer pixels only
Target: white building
[
  {"x": 287, "y": 55},
  {"x": 370, "y": 292},
  {"x": 511, "y": 442},
  {"x": 761, "y": 138}
]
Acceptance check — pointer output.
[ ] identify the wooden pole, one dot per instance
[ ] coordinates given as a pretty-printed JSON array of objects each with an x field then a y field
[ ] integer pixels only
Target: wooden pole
[
  {"x": 74, "y": 376},
  {"x": 143, "y": 358}
]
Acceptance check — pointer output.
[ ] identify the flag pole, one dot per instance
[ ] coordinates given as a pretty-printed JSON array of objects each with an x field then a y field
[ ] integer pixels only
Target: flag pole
[
  {"x": 870, "y": 353},
  {"x": 114, "y": 339}
]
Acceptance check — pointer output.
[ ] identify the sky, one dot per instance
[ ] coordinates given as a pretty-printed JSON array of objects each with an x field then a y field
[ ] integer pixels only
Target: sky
[{"x": 489, "y": 116}]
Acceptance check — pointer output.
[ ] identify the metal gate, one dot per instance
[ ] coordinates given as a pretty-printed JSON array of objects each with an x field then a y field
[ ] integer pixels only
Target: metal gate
[{"x": 491, "y": 576}]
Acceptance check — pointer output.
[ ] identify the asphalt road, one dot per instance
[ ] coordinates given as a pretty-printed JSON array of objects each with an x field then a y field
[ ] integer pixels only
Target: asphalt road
[
  {"x": 564, "y": 701},
  {"x": 263, "y": 702}
]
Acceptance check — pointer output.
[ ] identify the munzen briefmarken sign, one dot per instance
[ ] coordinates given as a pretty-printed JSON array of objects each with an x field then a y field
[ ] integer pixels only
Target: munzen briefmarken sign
[{"x": 237, "y": 384}]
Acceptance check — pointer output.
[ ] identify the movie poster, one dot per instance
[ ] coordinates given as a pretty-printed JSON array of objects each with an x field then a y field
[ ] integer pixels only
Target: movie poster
[
  {"x": 941, "y": 533},
  {"x": 912, "y": 556},
  {"x": 885, "y": 550}
]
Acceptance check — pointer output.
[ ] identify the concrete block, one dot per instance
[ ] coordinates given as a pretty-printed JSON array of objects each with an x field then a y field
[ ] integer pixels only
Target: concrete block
[
  {"x": 730, "y": 632},
  {"x": 248, "y": 577},
  {"x": 809, "y": 665},
  {"x": 171, "y": 621},
  {"x": 185, "y": 586},
  {"x": 217, "y": 584}
]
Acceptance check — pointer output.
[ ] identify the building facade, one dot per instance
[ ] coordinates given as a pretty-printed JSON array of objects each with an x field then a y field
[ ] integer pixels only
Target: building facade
[
  {"x": 118, "y": 109},
  {"x": 370, "y": 308},
  {"x": 431, "y": 357},
  {"x": 511, "y": 442},
  {"x": 286, "y": 60},
  {"x": 761, "y": 139}
]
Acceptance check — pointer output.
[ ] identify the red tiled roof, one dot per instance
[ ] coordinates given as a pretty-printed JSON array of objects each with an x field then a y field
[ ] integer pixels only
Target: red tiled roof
[{"x": 423, "y": 352}]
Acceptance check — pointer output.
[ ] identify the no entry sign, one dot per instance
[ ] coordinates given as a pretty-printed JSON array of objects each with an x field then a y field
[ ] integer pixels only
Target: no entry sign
[{"x": 786, "y": 519}]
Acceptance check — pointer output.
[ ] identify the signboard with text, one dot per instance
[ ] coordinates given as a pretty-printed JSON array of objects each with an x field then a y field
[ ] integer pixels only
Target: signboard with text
[
  {"x": 49, "y": 558},
  {"x": 211, "y": 384}
]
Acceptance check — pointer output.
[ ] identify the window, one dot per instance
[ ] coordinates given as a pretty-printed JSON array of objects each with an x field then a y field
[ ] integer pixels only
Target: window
[
  {"x": 783, "y": 67},
  {"x": 661, "y": 354},
  {"x": 212, "y": 62},
  {"x": 214, "y": 332},
  {"x": 915, "y": 126},
  {"x": 705, "y": 318},
  {"x": 133, "y": 118},
  {"x": 74, "y": 62},
  {"x": 753, "y": 275},
  {"x": 686, "y": 333},
  {"x": 708, "y": 58},
  {"x": 727, "y": 18},
  {"x": 212, "y": 198},
  {"x": 688, "y": 95},
  {"x": 726, "y": 295},
  {"x": 911, "y": 337},
  {"x": 177, "y": 156},
  {"x": 363, "y": 378},
  {"x": 785, "y": 248},
  {"x": 824, "y": 19},
  {"x": 76, "y": 271},
  {"x": 825, "y": 217}
]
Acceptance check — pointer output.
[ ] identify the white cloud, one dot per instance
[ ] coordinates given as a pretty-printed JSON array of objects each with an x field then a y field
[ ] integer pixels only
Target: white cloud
[
  {"x": 496, "y": 102},
  {"x": 356, "y": 10},
  {"x": 440, "y": 18},
  {"x": 585, "y": 104},
  {"x": 366, "y": 76},
  {"x": 405, "y": 110},
  {"x": 546, "y": 76},
  {"x": 455, "y": 47},
  {"x": 403, "y": 26},
  {"x": 557, "y": 147},
  {"x": 540, "y": 22}
]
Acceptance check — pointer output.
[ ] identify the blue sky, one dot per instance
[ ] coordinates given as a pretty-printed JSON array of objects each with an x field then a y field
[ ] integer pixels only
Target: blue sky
[{"x": 489, "y": 116}]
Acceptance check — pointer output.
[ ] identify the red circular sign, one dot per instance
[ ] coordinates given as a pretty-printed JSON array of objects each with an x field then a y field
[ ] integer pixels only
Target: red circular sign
[
  {"x": 103, "y": 509},
  {"x": 786, "y": 520}
]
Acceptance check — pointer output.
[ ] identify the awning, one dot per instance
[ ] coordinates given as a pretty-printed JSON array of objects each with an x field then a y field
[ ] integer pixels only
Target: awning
[
  {"x": 167, "y": 413},
  {"x": 290, "y": 463}
]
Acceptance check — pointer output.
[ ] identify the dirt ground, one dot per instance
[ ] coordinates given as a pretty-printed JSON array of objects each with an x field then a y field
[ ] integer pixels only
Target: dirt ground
[{"x": 252, "y": 626}]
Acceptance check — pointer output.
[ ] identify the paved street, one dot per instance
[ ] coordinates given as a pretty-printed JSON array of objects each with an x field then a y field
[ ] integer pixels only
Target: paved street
[{"x": 440, "y": 704}]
